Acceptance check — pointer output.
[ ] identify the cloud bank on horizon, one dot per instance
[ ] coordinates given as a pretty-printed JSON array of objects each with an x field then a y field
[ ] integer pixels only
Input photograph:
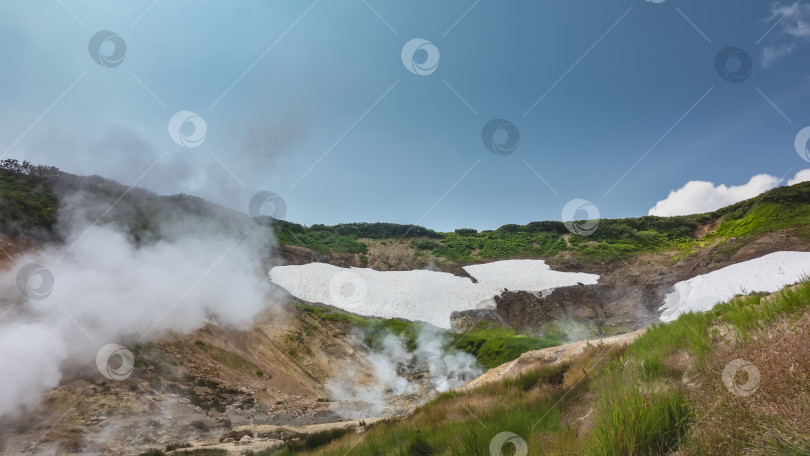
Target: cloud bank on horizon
[{"x": 702, "y": 196}]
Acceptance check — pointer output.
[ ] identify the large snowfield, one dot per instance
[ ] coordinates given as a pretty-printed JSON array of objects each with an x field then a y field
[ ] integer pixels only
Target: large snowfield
[
  {"x": 768, "y": 273},
  {"x": 420, "y": 295}
]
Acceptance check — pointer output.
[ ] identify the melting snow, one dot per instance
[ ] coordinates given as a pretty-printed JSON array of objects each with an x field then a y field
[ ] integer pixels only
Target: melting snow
[
  {"x": 421, "y": 295},
  {"x": 769, "y": 274}
]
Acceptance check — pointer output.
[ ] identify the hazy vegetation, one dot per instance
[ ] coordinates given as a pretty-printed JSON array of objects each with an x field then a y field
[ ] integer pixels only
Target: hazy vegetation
[
  {"x": 321, "y": 241},
  {"x": 27, "y": 203},
  {"x": 30, "y": 197},
  {"x": 343, "y": 238}
]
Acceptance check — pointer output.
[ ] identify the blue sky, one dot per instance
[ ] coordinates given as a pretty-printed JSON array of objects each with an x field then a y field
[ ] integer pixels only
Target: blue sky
[{"x": 312, "y": 101}]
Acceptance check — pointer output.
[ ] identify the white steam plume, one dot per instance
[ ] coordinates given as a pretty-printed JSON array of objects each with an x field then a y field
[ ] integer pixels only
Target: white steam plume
[
  {"x": 446, "y": 369},
  {"x": 109, "y": 287}
]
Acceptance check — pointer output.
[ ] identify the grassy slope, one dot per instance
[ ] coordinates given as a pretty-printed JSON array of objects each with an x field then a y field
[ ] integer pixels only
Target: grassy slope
[
  {"x": 491, "y": 346},
  {"x": 781, "y": 208},
  {"x": 660, "y": 394}
]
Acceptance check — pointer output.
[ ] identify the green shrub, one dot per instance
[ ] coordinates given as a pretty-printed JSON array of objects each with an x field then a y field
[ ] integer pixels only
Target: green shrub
[
  {"x": 494, "y": 346},
  {"x": 425, "y": 244}
]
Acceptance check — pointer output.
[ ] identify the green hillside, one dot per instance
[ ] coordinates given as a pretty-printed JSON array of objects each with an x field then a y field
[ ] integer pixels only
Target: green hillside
[
  {"x": 780, "y": 208},
  {"x": 29, "y": 204}
]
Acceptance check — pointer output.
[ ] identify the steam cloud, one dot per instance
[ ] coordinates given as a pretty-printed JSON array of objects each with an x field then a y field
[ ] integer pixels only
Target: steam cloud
[
  {"x": 446, "y": 369},
  {"x": 111, "y": 287}
]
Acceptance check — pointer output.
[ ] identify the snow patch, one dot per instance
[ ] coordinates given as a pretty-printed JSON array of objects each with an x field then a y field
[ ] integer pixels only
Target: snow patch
[
  {"x": 768, "y": 274},
  {"x": 420, "y": 295}
]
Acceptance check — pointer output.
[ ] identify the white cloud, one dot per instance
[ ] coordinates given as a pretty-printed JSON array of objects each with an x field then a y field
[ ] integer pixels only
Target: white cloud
[
  {"x": 771, "y": 54},
  {"x": 791, "y": 22},
  {"x": 801, "y": 176},
  {"x": 701, "y": 196}
]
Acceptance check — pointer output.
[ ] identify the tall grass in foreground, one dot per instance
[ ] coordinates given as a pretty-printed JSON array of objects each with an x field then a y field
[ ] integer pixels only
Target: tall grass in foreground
[
  {"x": 461, "y": 425},
  {"x": 627, "y": 414},
  {"x": 694, "y": 332},
  {"x": 689, "y": 332},
  {"x": 633, "y": 422},
  {"x": 778, "y": 438}
]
